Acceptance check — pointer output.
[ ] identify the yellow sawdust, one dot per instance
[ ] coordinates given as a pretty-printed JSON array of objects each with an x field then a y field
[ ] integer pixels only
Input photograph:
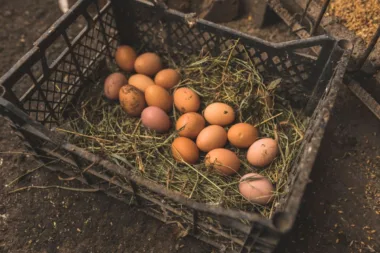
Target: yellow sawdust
[{"x": 360, "y": 16}]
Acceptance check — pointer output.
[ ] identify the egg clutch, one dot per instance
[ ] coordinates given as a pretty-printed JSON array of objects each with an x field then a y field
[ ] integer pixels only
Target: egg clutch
[{"x": 209, "y": 128}]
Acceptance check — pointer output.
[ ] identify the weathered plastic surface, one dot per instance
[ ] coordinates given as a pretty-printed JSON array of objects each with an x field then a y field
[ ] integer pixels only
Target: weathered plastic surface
[{"x": 53, "y": 78}]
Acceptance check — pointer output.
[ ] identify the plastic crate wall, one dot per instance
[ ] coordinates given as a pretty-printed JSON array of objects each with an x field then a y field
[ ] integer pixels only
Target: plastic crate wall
[
  {"x": 63, "y": 61},
  {"x": 66, "y": 64},
  {"x": 55, "y": 72}
]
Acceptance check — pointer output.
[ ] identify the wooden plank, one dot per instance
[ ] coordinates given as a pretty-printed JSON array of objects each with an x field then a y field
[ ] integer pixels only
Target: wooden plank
[{"x": 365, "y": 97}]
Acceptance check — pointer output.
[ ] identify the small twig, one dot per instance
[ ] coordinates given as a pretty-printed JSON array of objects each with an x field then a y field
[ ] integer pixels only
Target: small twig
[
  {"x": 229, "y": 57},
  {"x": 89, "y": 167},
  {"x": 275, "y": 133},
  {"x": 137, "y": 136},
  {"x": 67, "y": 178},
  {"x": 211, "y": 182},
  {"x": 29, "y": 172},
  {"x": 22, "y": 153},
  {"x": 83, "y": 135},
  {"x": 265, "y": 121},
  {"x": 195, "y": 186},
  {"x": 53, "y": 186},
  {"x": 301, "y": 135},
  {"x": 138, "y": 159},
  {"x": 184, "y": 186},
  {"x": 191, "y": 167},
  {"x": 75, "y": 177},
  {"x": 168, "y": 178},
  {"x": 137, "y": 126}
]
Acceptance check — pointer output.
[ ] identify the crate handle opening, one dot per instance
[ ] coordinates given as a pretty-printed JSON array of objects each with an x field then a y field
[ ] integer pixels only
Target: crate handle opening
[
  {"x": 345, "y": 44},
  {"x": 2, "y": 91},
  {"x": 282, "y": 221}
]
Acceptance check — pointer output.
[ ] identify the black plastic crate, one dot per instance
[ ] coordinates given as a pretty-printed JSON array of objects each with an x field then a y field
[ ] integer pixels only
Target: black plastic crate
[{"x": 73, "y": 53}]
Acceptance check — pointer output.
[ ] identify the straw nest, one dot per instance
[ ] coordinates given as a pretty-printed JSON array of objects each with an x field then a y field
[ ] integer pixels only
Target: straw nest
[{"x": 103, "y": 128}]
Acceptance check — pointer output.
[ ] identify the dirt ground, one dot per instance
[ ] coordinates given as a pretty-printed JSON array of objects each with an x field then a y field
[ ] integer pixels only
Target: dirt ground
[{"x": 340, "y": 211}]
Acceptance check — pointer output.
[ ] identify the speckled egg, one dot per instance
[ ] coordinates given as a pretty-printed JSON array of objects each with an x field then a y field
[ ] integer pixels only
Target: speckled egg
[
  {"x": 256, "y": 188},
  {"x": 190, "y": 125},
  {"x": 242, "y": 135},
  {"x": 262, "y": 152},
  {"x": 184, "y": 149},
  {"x": 113, "y": 84},
  {"x": 186, "y": 100},
  {"x": 219, "y": 114},
  {"x": 223, "y": 161},
  {"x": 131, "y": 100}
]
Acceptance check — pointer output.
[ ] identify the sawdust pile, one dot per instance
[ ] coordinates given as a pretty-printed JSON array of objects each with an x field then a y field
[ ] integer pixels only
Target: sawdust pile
[{"x": 360, "y": 16}]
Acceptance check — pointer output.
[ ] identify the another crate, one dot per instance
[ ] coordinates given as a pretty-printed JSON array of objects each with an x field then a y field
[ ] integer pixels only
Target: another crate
[{"x": 38, "y": 88}]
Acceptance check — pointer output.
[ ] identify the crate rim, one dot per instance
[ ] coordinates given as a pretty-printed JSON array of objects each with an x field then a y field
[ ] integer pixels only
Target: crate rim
[
  {"x": 50, "y": 136},
  {"x": 41, "y": 131},
  {"x": 52, "y": 33},
  {"x": 35, "y": 128}
]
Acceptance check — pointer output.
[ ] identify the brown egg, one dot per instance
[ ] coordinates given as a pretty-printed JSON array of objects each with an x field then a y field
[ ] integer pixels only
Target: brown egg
[
  {"x": 125, "y": 57},
  {"x": 157, "y": 96},
  {"x": 186, "y": 100},
  {"x": 219, "y": 114},
  {"x": 131, "y": 100},
  {"x": 211, "y": 137},
  {"x": 140, "y": 81},
  {"x": 242, "y": 135},
  {"x": 112, "y": 85},
  {"x": 224, "y": 161},
  {"x": 256, "y": 188},
  {"x": 148, "y": 64},
  {"x": 155, "y": 119},
  {"x": 167, "y": 78},
  {"x": 262, "y": 152},
  {"x": 190, "y": 125},
  {"x": 184, "y": 149}
]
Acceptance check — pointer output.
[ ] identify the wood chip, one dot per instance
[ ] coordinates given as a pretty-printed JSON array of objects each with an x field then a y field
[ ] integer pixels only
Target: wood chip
[{"x": 360, "y": 16}]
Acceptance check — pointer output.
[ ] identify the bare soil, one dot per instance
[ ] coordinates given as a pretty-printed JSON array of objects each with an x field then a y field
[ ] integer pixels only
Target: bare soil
[{"x": 340, "y": 211}]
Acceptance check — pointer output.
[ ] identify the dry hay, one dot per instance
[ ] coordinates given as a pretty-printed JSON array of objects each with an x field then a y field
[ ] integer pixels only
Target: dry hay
[{"x": 103, "y": 128}]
